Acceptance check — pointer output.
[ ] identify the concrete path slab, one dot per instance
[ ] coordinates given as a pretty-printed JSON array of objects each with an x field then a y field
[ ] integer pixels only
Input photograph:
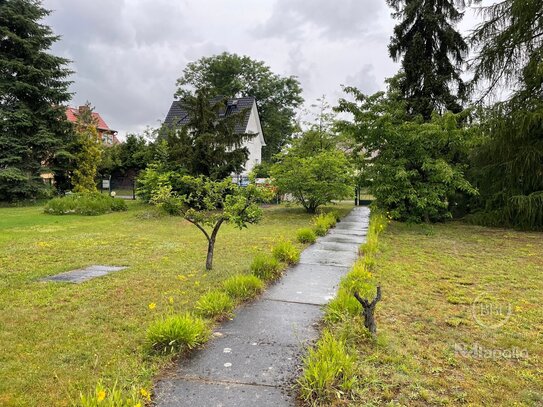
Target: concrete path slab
[
  {"x": 328, "y": 257},
  {"x": 209, "y": 394},
  {"x": 307, "y": 283},
  {"x": 256, "y": 357}
]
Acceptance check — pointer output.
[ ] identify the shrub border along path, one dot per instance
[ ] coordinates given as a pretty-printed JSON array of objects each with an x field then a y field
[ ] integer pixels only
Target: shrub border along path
[{"x": 254, "y": 358}]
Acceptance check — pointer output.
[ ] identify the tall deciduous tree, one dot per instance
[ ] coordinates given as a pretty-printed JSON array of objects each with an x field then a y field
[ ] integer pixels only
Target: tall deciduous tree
[
  {"x": 208, "y": 143},
  {"x": 313, "y": 170},
  {"x": 414, "y": 169},
  {"x": 431, "y": 52},
  {"x": 33, "y": 85},
  {"x": 233, "y": 75}
]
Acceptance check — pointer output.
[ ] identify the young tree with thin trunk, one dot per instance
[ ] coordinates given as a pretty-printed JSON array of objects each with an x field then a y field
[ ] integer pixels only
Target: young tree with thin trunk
[{"x": 208, "y": 204}]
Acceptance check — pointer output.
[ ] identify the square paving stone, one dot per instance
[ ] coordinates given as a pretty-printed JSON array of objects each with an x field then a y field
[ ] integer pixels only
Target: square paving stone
[
  {"x": 81, "y": 275},
  {"x": 237, "y": 359},
  {"x": 179, "y": 393},
  {"x": 307, "y": 283},
  {"x": 328, "y": 257},
  {"x": 262, "y": 345},
  {"x": 343, "y": 232},
  {"x": 324, "y": 244},
  {"x": 273, "y": 322},
  {"x": 342, "y": 238}
]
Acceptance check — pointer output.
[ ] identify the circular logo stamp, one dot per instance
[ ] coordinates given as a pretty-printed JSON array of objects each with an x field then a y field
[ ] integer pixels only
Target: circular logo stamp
[{"x": 489, "y": 313}]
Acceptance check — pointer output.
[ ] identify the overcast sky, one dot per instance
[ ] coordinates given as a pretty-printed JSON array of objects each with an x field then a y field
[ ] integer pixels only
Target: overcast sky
[{"x": 127, "y": 54}]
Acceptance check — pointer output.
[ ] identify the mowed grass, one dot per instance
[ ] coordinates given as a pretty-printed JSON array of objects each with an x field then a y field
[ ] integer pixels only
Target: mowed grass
[
  {"x": 430, "y": 277},
  {"x": 57, "y": 339}
]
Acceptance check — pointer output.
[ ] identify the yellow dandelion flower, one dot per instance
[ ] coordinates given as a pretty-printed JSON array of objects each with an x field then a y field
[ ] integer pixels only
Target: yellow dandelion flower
[
  {"x": 100, "y": 396},
  {"x": 170, "y": 300},
  {"x": 145, "y": 394},
  {"x": 152, "y": 305},
  {"x": 196, "y": 284}
]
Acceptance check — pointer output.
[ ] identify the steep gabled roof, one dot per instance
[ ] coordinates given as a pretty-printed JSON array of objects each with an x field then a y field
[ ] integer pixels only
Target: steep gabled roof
[
  {"x": 177, "y": 115},
  {"x": 72, "y": 113}
]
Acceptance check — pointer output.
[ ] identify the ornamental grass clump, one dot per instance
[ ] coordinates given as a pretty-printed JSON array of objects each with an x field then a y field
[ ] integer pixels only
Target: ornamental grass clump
[
  {"x": 342, "y": 307},
  {"x": 266, "y": 267},
  {"x": 286, "y": 252},
  {"x": 243, "y": 286},
  {"x": 306, "y": 235},
  {"x": 177, "y": 333},
  {"x": 323, "y": 222},
  {"x": 215, "y": 304},
  {"x": 329, "y": 371}
]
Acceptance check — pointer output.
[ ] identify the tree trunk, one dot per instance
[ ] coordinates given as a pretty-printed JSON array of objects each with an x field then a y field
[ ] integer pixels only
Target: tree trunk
[
  {"x": 210, "y": 248},
  {"x": 369, "y": 310},
  {"x": 211, "y": 244}
]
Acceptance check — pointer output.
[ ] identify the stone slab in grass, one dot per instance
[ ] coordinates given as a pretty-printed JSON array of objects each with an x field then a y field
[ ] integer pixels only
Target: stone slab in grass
[
  {"x": 81, "y": 275},
  {"x": 211, "y": 394}
]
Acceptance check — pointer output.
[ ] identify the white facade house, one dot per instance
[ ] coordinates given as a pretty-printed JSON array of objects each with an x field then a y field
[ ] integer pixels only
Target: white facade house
[{"x": 250, "y": 124}]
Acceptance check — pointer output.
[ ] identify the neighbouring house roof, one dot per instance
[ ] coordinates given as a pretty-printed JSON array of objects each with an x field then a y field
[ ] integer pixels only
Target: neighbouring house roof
[
  {"x": 73, "y": 112},
  {"x": 177, "y": 115}
]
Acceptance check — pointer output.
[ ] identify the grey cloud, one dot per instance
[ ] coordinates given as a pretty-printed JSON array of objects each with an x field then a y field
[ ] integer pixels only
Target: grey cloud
[
  {"x": 333, "y": 19},
  {"x": 127, "y": 54},
  {"x": 300, "y": 67},
  {"x": 364, "y": 80}
]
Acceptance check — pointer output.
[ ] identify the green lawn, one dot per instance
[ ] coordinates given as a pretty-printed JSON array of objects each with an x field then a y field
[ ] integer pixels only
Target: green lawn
[
  {"x": 57, "y": 339},
  {"x": 430, "y": 277}
]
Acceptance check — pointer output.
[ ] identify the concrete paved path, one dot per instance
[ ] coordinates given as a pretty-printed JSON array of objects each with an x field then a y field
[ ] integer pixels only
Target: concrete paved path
[{"x": 254, "y": 359}]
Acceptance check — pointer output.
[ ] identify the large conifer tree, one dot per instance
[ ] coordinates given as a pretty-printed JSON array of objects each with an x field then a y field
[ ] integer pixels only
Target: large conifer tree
[
  {"x": 33, "y": 86},
  {"x": 509, "y": 166},
  {"x": 431, "y": 51}
]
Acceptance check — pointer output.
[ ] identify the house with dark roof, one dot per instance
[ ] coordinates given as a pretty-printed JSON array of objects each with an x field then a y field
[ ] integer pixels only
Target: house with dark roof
[
  {"x": 178, "y": 116},
  {"x": 107, "y": 135}
]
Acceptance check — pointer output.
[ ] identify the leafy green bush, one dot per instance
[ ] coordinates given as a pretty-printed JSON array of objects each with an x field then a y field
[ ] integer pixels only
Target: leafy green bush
[
  {"x": 84, "y": 204},
  {"x": 266, "y": 267},
  {"x": 177, "y": 333},
  {"x": 215, "y": 304},
  {"x": 243, "y": 286},
  {"x": 329, "y": 371},
  {"x": 306, "y": 235},
  {"x": 285, "y": 251},
  {"x": 323, "y": 222}
]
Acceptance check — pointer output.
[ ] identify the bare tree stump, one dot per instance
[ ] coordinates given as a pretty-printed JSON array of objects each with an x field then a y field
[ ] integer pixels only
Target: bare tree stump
[{"x": 369, "y": 310}]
